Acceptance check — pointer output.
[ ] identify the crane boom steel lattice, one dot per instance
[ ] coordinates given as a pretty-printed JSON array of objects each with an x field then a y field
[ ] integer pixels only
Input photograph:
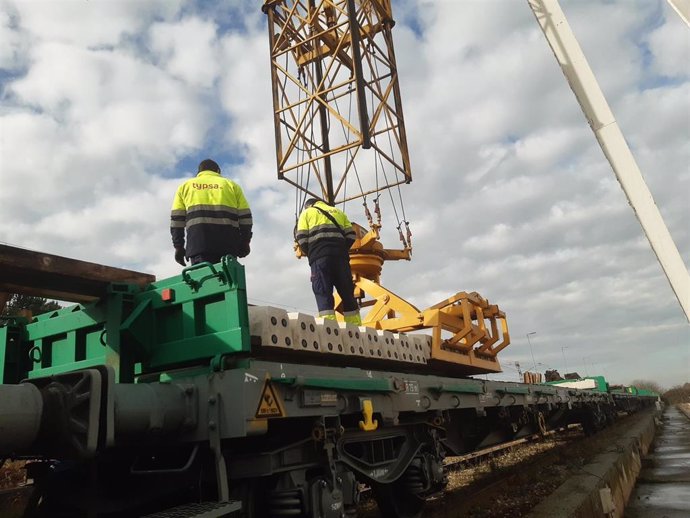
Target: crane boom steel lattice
[
  {"x": 336, "y": 92},
  {"x": 340, "y": 135},
  {"x": 584, "y": 85}
]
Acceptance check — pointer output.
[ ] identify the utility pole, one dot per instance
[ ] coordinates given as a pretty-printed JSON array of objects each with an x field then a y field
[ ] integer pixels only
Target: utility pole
[
  {"x": 565, "y": 363},
  {"x": 530, "y": 349}
]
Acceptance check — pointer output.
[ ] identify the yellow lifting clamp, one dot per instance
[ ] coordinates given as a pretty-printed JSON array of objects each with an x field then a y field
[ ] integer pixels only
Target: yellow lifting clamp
[{"x": 368, "y": 424}]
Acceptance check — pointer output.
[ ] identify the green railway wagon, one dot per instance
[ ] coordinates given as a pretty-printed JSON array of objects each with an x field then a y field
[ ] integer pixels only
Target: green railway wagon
[{"x": 156, "y": 399}]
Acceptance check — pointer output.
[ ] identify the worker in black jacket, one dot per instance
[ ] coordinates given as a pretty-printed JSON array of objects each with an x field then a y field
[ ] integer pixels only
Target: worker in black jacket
[
  {"x": 325, "y": 235},
  {"x": 215, "y": 215}
]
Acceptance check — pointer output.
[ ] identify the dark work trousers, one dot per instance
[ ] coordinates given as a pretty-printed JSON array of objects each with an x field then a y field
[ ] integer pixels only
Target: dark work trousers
[{"x": 333, "y": 271}]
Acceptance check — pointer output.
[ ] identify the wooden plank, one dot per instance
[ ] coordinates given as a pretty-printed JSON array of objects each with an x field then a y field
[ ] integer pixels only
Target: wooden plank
[{"x": 45, "y": 275}]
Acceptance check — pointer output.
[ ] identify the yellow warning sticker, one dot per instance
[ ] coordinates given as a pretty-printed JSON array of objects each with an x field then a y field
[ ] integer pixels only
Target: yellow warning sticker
[{"x": 269, "y": 404}]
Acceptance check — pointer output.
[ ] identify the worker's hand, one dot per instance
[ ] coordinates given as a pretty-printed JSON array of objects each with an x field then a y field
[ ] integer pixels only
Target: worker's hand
[
  {"x": 244, "y": 250},
  {"x": 180, "y": 256}
]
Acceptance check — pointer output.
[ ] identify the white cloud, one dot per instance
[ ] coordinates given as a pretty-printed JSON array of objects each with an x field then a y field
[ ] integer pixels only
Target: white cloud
[
  {"x": 670, "y": 46},
  {"x": 14, "y": 41},
  {"x": 88, "y": 24},
  {"x": 187, "y": 50},
  {"x": 511, "y": 195},
  {"x": 245, "y": 92},
  {"x": 108, "y": 99}
]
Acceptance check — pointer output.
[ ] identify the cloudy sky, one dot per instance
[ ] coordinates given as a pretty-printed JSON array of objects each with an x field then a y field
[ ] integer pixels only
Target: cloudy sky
[{"x": 108, "y": 105}]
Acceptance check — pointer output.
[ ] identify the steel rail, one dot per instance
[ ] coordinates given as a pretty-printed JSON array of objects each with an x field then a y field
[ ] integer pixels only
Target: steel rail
[{"x": 506, "y": 445}]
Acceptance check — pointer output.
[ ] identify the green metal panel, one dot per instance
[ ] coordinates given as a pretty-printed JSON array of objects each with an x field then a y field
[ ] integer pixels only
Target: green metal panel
[
  {"x": 195, "y": 348},
  {"x": 57, "y": 341},
  {"x": 205, "y": 315},
  {"x": 73, "y": 317},
  {"x": 135, "y": 330},
  {"x": 211, "y": 317},
  {"x": 64, "y": 348},
  {"x": 169, "y": 324},
  {"x": 602, "y": 384},
  {"x": 92, "y": 345},
  {"x": 14, "y": 360}
]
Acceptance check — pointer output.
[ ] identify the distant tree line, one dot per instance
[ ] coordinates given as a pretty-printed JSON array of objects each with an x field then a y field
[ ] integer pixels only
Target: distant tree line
[
  {"x": 20, "y": 304},
  {"x": 672, "y": 396},
  {"x": 678, "y": 394},
  {"x": 649, "y": 385}
]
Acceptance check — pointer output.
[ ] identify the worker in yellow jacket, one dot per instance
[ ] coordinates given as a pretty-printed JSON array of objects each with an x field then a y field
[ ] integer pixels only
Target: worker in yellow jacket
[
  {"x": 215, "y": 215},
  {"x": 325, "y": 235}
]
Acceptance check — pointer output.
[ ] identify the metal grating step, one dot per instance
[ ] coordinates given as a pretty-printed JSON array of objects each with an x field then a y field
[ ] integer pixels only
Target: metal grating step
[{"x": 200, "y": 510}]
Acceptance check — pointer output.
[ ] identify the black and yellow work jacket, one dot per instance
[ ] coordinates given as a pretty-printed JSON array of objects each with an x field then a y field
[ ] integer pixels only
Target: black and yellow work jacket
[
  {"x": 318, "y": 236},
  {"x": 215, "y": 214}
]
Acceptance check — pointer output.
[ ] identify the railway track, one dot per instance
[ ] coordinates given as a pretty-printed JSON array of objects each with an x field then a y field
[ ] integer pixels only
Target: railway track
[
  {"x": 478, "y": 456},
  {"x": 476, "y": 476},
  {"x": 532, "y": 466},
  {"x": 453, "y": 464},
  {"x": 509, "y": 479}
]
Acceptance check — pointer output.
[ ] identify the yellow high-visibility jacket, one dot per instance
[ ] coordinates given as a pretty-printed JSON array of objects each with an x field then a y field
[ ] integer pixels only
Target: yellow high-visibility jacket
[
  {"x": 215, "y": 214},
  {"x": 318, "y": 237}
]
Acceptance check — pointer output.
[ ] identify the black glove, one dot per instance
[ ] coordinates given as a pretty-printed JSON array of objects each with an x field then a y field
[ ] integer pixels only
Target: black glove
[
  {"x": 245, "y": 238},
  {"x": 180, "y": 256},
  {"x": 244, "y": 250}
]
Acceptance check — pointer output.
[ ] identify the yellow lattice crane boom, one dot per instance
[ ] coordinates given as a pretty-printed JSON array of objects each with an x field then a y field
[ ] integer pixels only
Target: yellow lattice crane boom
[
  {"x": 335, "y": 93},
  {"x": 340, "y": 135}
]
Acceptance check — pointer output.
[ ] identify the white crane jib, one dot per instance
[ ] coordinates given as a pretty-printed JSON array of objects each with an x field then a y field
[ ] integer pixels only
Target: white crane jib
[{"x": 593, "y": 103}]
